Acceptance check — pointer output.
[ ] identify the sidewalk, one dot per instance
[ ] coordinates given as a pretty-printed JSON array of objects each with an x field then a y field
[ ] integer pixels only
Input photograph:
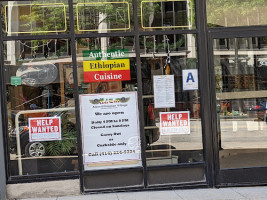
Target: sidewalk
[{"x": 233, "y": 193}]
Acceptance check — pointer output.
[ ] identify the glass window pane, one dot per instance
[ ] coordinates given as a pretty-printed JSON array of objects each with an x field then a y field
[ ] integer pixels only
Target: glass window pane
[
  {"x": 103, "y": 17},
  {"x": 229, "y": 13},
  {"x": 110, "y": 127},
  {"x": 35, "y": 17},
  {"x": 89, "y": 49},
  {"x": 170, "y": 14},
  {"x": 171, "y": 141},
  {"x": 240, "y": 73},
  {"x": 41, "y": 114}
]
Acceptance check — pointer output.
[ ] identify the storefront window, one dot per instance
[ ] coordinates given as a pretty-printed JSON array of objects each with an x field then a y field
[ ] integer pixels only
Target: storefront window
[
  {"x": 171, "y": 99},
  {"x": 42, "y": 80},
  {"x": 228, "y": 13},
  {"x": 35, "y": 17},
  {"x": 41, "y": 115},
  {"x": 240, "y": 74},
  {"x": 170, "y": 14},
  {"x": 103, "y": 16}
]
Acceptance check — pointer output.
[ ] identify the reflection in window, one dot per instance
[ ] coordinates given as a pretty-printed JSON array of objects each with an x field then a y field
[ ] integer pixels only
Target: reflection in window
[
  {"x": 104, "y": 16},
  {"x": 35, "y": 18},
  {"x": 240, "y": 43},
  {"x": 170, "y": 55},
  {"x": 241, "y": 83},
  {"x": 236, "y": 13},
  {"x": 167, "y": 14},
  {"x": 37, "y": 93}
]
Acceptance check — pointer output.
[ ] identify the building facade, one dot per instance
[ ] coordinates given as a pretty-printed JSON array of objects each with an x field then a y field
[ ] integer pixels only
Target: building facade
[{"x": 133, "y": 95}]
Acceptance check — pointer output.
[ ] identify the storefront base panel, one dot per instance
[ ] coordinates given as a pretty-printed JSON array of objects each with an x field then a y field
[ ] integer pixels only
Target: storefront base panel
[
  {"x": 174, "y": 176},
  {"x": 114, "y": 180},
  {"x": 45, "y": 165},
  {"x": 246, "y": 176},
  {"x": 43, "y": 189}
]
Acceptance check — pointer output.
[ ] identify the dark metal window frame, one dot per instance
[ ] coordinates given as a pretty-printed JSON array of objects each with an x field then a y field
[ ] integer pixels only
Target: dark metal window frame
[
  {"x": 233, "y": 177},
  {"x": 205, "y": 101}
]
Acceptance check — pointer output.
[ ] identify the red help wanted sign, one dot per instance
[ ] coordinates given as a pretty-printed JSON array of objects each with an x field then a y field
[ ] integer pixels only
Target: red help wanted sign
[
  {"x": 44, "y": 129},
  {"x": 174, "y": 123}
]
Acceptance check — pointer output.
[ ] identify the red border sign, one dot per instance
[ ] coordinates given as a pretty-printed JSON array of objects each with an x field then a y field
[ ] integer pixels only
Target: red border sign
[
  {"x": 174, "y": 123},
  {"x": 44, "y": 129}
]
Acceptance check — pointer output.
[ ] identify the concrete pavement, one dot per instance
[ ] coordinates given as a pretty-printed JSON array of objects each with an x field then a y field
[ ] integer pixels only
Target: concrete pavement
[{"x": 232, "y": 193}]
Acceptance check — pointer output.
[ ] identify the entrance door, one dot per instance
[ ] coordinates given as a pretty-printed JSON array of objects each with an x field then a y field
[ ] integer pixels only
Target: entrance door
[{"x": 239, "y": 68}]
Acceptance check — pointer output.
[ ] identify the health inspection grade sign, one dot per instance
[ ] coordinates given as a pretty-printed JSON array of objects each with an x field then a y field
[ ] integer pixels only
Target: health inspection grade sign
[
  {"x": 44, "y": 129},
  {"x": 110, "y": 128}
]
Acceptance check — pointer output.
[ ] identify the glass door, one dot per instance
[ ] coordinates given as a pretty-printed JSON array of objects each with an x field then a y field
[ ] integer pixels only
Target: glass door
[
  {"x": 240, "y": 70},
  {"x": 171, "y": 105}
]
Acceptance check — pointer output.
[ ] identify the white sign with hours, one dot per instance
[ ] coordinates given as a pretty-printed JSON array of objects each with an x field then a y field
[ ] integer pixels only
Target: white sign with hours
[{"x": 110, "y": 128}]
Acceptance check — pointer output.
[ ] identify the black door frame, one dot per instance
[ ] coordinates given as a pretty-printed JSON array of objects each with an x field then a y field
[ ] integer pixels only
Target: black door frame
[{"x": 235, "y": 176}]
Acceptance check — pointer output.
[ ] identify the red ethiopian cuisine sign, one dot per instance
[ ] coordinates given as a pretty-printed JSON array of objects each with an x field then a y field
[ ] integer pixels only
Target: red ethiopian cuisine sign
[
  {"x": 108, "y": 70},
  {"x": 174, "y": 123},
  {"x": 44, "y": 129}
]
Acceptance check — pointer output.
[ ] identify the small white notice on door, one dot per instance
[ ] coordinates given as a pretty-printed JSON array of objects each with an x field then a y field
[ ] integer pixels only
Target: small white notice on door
[{"x": 164, "y": 96}]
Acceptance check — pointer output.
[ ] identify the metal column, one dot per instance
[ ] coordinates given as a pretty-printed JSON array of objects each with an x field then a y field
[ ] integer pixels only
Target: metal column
[{"x": 2, "y": 165}]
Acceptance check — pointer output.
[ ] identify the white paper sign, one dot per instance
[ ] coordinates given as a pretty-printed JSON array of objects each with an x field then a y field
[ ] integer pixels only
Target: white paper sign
[
  {"x": 190, "y": 79},
  {"x": 110, "y": 128},
  {"x": 164, "y": 96}
]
